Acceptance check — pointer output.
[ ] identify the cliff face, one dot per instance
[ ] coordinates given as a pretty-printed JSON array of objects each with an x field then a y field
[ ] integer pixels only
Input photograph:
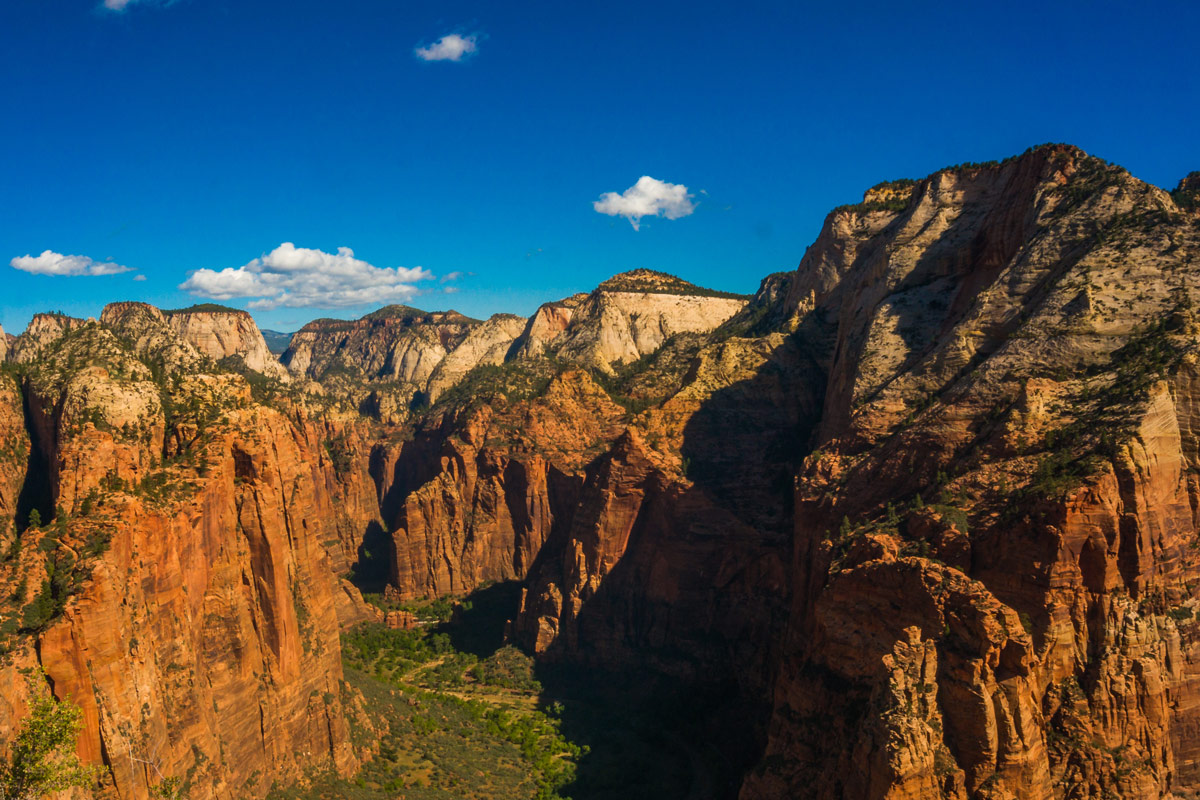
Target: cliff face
[
  {"x": 993, "y": 537},
  {"x": 189, "y": 599},
  {"x": 224, "y": 333},
  {"x": 625, "y": 318},
  {"x": 929, "y": 493},
  {"x": 3, "y": 345},
  {"x": 42, "y": 329},
  {"x": 395, "y": 343}
]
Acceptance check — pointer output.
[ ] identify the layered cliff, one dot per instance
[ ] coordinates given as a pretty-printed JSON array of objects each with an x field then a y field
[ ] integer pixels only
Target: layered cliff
[
  {"x": 994, "y": 531},
  {"x": 394, "y": 343},
  {"x": 182, "y": 589},
  {"x": 41, "y": 331},
  {"x": 219, "y": 332},
  {"x": 628, "y": 316},
  {"x": 928, "y": 493}
]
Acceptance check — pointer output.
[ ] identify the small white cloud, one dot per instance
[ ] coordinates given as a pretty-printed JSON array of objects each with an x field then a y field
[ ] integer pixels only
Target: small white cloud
[
  {"x": 647, "y": 198},
  {"x": 450, "y": 289},
  {"x": 451, "y": 276},
  {"x": 51, "y": 263},
  {"x": 139, "y": 277},
  {"x": 298, "y": 277},
  {"x": 450, "y": 47},
  {"x": 121, "y": 5}
]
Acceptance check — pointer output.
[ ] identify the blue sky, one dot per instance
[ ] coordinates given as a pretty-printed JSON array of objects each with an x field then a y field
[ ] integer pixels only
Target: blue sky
[{"x": 170, "y": 137}]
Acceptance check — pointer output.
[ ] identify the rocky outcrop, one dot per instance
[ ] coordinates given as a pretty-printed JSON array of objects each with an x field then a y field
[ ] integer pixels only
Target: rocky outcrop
[
  {"x": 928, "y": 493},
  {"x": 395, "y": 343},
  {"x": 14, "y": 455},
  {"x": 223, "y": 333},
  {"x": 922, "y": 509},
  {"x": 993, "y": 340},
  {"x": 200, "y": 534},
  {"x": 485, "y": 344},
  {"x": 42, "y": 331},
  {"x": 625, "y": 318},
  {"x": 3, "y": 345}
]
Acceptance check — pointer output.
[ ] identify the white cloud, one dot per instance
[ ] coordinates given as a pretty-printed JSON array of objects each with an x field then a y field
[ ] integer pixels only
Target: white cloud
[
  {"x": 298, "y": 277},
  {"x": 450, "y": 47},
  {"x": 139, "y": 277},
  {"x": 451, "y": 276},
  {"x": 51, "y": 263},
  {"x": 121, "y": 5},
  {"x": 647, "y": 198}
]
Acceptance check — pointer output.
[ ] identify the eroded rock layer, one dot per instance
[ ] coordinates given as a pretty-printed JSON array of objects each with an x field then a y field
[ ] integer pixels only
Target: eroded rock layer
[{"x": 176, "y": 573}]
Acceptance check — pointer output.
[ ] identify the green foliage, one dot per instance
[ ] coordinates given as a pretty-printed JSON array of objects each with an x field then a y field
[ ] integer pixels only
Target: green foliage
[
  {"x": 200, "y": 308},
  {"x": 1187, "y": 195},
  {"x": 507, "y": 668},
  {"x": 41, "y": 759},
  {"x": 397, "y": 311},
  {"x": 444, "y": 730},
  {"x": 515, "y": 381},
  {"x": 34, "y": 520},
  {"x": 47, "y": 605},
  {"x": 649, "y": 281},
  {"x": 341, "y": 454},
  {"x": 1105, "y": 415},
  {"x": 953, "y": 515}
]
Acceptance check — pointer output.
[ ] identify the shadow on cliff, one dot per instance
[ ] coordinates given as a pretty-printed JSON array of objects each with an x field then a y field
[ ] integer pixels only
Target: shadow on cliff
[
  {"x": 668, "y": 682},
  {"x": 742, "y": 447},
  {"x": 480, "y": 622},
  {"x": 37, "y": 493},
  {"x": 648, "y": 736},
  {"x": 369, "y": 573}
]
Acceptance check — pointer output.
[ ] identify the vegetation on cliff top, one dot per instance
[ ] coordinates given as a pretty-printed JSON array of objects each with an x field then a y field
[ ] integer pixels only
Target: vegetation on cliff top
[
  {"x": 649, "y": 281},
  {"x": 205, "y": 308}
]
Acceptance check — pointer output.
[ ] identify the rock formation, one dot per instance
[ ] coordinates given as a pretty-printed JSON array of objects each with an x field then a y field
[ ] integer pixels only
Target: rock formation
[
  {"x": 923, "y": 509},
  {"x": 928, "y": 493},
  {"x": 220, "y": 332},
  {"x": 42, "y": 330},
  {"x": 628, "y": 316},
  {"x": 395, "y": 343},
  {"x": 187, "y": 601}
]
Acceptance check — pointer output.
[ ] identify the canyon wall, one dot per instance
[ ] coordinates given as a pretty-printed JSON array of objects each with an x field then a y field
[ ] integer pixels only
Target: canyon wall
[{"x": 183, "y": 589}]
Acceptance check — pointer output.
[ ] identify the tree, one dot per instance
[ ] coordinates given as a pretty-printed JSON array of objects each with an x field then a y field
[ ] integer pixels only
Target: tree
[
  {"x": 35, "y": 519},
  {"x": 42, "y": 759}
]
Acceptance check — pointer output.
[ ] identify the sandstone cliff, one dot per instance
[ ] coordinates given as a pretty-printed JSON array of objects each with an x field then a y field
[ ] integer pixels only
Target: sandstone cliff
[
  {"x": 41, "y": 331},
  {"x": 188, "y": 596},
  {"x": 995, "y": 339},
  {"x": 625, "y": 318},
  {"x": 219, "y": 332},
  {"x": 395, "y": 343},
  {"x": 928, "y": 492}
]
